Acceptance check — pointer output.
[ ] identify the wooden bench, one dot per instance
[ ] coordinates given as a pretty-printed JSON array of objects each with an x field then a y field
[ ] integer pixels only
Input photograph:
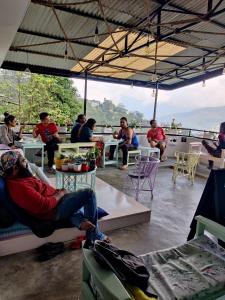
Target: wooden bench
[{"x": 74, "y": 148}]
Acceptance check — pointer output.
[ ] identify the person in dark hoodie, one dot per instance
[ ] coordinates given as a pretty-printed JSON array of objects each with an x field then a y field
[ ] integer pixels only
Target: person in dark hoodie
[{"x": 217, "y": 147}]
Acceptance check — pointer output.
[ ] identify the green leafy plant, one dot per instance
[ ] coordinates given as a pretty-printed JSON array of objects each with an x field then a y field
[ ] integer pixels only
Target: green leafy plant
[{"x": 92, "y": 153}]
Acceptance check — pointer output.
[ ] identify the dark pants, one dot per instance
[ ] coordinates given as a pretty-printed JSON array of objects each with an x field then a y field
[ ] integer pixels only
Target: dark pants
[
  {"x": 125, "y": 148},
  {"x": 51, "y": 147}
]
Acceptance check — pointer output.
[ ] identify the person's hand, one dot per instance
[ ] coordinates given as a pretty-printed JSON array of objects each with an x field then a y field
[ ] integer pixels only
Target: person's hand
[
  {"x": 60, "y": 193},
  {"x": 22, "y": 127},
  {"x": 115, "y": 134},
  {"x": 13, "y": 147}
]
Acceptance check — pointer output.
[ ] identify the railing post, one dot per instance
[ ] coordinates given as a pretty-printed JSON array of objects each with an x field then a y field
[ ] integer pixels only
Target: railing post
[
  {"x": 85, "y": 93},
  {"x": 156, "y": 98}
]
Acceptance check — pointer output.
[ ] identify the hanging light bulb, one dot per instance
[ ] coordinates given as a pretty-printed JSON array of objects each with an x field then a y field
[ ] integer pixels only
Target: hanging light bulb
[
  {"x": 27, "y": 70},
  {"x": 154, "y": 77},
  {"x": 66, "y": 53},
  {"x": 96, "y": 37},
  {"x": 153, "y": 93},
  {"x": 203, "y": 83}
]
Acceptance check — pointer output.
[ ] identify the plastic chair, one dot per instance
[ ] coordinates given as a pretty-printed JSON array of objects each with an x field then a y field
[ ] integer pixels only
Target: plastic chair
[
  {"x": 143, "y": 174},
  {"x": 186, "y": 164},
  {"x": 195, "y": 147}
]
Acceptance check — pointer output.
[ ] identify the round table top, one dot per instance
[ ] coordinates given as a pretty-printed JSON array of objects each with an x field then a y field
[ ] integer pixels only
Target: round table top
[{"x": 75, "y": 173}]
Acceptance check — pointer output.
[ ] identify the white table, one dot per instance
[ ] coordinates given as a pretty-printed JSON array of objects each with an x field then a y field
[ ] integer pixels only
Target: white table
[
  {"x": 148, "y": 151},
  {"x": 114, "y": 161},
  {"x": 74, "y": 181},
  {"x": 32, "y": 144}
]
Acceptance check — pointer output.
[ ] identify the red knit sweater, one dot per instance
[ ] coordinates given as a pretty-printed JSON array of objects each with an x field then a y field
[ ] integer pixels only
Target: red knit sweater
[{"x": 33, "y": 195}]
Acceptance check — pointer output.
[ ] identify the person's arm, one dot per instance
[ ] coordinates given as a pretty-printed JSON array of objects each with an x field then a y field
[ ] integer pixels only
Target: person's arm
[
  {"x": 55, "y": 133},
  {"x": 59, "y": 194},
  {"x": 149, "y": 138},
  {"x": 32, "y": 201},
  {"x": 221, "y": 142},
  {"x": 4, "y": 138},
  {"x": 164, "y": 136},
  {"x": 20, "y": 134},
  {"x": 35, "y": 132}
]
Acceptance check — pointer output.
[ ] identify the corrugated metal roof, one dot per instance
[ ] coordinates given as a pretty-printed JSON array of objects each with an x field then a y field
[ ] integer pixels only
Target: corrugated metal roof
[{"x": 181, "y": 50}]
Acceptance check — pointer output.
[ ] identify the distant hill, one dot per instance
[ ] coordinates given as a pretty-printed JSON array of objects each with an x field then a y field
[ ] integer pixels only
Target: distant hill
[{"x": 207, "y": 118}]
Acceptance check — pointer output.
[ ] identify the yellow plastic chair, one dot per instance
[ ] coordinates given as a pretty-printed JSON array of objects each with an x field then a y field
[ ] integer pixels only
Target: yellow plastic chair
[{"x": 185, "y": 165}]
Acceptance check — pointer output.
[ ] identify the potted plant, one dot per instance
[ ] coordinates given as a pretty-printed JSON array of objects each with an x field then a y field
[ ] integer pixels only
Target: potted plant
[
  {"x": 78, "y": 163},
  {"x": 59, "y": 160},
  {"x": 91, "y": 156}
]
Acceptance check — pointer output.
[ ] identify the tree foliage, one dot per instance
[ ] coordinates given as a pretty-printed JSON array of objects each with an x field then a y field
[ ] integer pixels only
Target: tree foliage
[{"x": 26, "y": 95}]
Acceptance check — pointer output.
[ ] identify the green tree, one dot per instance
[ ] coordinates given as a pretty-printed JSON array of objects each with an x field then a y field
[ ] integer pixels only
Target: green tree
[{"x": 26, "y": 95}]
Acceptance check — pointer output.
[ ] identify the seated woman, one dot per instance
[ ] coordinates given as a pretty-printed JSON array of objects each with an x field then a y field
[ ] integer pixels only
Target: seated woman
[
  {"x": 7, "y": 135},
  {"x": 217, "y": 147},
  {"x": 156, "y": 137},
  {"x": 85, "y": 134},
  {"x": 129, "y": 141}
]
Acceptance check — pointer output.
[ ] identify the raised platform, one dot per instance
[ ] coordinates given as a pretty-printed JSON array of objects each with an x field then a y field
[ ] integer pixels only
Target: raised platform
[{"x": 123, "y": 211}]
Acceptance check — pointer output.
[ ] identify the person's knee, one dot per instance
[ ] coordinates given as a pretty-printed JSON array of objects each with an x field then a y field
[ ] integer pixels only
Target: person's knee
[{"x": 89, "y": 194}]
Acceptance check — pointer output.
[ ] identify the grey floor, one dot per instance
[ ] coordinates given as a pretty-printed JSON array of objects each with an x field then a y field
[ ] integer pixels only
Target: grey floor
[{"x": 23, "y": 278}]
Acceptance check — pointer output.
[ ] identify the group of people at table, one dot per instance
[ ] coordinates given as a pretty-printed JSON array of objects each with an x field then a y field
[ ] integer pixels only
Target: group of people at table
[{"x": 82, "y": 131}]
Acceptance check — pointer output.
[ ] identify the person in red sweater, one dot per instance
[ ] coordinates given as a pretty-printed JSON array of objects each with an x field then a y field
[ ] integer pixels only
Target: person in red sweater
[
  {"x": 49, "y": 135},
  {"x": 44, "y": 202},
  {"x": 156, "y": 137}
]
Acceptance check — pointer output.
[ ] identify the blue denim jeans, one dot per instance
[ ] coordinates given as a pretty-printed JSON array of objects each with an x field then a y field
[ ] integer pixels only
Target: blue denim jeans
[{"x": 69, "y": 206}]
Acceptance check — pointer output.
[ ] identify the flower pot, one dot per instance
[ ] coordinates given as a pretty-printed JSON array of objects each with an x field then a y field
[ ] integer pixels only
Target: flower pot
[
  {"x": 64, "y": 167},
  {"x": 84, "y": 167},
  {"x": 77, "y": 167},
  {"x": 92, "y": 164},
  {"x": 70, "y": 167},
  {"x": 58, "y": 163}
]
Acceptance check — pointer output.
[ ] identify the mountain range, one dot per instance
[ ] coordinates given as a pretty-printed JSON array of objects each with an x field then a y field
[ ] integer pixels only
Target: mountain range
[{"x": 207, "y": 118}]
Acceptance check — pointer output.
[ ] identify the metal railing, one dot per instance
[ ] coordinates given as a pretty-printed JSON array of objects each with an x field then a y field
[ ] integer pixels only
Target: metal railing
[{"x": 140, "y": 130}]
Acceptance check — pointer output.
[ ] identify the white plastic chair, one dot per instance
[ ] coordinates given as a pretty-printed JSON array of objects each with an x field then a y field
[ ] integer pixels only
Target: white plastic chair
[{"x": 144, "y": 174}]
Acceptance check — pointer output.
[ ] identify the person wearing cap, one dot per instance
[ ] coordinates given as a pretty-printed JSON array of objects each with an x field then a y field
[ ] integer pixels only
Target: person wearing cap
[{"x": 42, "y": 201}]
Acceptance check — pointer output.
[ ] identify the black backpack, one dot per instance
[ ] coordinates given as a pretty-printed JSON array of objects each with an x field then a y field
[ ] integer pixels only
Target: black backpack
[{"x": 128, "y": 267}]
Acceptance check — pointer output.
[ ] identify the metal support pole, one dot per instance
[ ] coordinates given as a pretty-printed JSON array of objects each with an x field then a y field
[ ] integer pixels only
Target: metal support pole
[
  {"x": 156, "y": 98},
  {"x": 85, "y": 94}
]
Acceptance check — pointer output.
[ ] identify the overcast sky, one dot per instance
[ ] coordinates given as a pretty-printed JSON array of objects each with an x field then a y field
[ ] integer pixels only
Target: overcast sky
[{"x": 180, "y": 100}]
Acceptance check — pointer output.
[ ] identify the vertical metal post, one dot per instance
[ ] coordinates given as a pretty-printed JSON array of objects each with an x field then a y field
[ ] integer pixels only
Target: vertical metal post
[
  {"x": 85, "y": 93},
  {"x": 156, "y": 98}
]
